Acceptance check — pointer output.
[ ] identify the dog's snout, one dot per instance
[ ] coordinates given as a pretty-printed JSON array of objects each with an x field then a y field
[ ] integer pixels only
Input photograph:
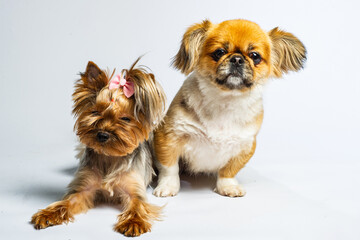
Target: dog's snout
[
  {"x": 102, "y": 136},
  {"x": 237, "y": 59}
]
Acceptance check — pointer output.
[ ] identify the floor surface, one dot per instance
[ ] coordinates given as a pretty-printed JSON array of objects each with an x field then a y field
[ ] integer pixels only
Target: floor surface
[{"x": 283, "y": 201}]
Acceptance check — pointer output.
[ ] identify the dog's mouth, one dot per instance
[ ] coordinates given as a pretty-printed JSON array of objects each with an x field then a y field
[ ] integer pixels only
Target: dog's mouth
[
  {"x": 234, "y": 81},
  {"x": 104, "y": 143}
]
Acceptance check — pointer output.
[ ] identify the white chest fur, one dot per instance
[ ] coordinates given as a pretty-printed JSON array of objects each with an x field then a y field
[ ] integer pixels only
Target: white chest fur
[{"x": 226, "y": 126}]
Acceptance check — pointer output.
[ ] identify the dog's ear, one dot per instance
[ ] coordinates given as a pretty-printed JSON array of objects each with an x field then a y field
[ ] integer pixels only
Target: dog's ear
[
  {"x": 94, "y": 77},
  {"x": 188, "y": 55},
  {"x": 88, "y": 86},
  {"x": 149, "y": 97},
  {"x": 288, "y": 53}
]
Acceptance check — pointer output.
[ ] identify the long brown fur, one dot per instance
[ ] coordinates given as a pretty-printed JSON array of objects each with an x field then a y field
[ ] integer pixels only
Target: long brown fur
[{"x": 118, "y": 169}]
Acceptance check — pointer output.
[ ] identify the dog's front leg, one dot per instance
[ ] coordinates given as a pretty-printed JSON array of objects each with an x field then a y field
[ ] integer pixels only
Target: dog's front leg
[
  {"x": 138, "y": 214},
  {"x": 168, "y": 148},
  {"x": 226, "y": 184},
  {"x": 78, "y": 199}
]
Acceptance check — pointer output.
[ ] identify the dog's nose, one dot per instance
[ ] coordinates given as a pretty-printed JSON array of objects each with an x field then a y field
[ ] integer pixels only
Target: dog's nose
[
  {"x": 102, "y": 136},
  {"x": 237, "y": 59}
]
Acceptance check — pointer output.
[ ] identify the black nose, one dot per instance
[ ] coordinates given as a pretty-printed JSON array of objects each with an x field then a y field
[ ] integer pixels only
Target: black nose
[
  {"x": 237, "y": 59},
  {"x": 102, "y": 137}
]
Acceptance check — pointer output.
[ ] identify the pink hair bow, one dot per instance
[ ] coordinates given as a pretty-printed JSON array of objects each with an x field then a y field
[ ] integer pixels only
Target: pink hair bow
[{"x": 119, "y": 81}]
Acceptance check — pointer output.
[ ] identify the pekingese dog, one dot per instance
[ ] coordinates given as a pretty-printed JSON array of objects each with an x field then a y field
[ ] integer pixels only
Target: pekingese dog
[{"x": 212, "y": 123}]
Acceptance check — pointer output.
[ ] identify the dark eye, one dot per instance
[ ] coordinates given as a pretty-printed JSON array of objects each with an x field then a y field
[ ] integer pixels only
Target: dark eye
[
  {"x": 218, "y": 53},
  {"x": 126, "y": 119},
  {"x": 255, "y": 57}
]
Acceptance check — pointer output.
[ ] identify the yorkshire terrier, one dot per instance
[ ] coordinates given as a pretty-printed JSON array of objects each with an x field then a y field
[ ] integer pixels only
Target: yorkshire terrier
[{"x": 115, "y": 119}]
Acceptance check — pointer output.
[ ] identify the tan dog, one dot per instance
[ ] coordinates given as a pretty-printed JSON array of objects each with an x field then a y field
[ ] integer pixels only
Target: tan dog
[{"x": 212, "y": 123}]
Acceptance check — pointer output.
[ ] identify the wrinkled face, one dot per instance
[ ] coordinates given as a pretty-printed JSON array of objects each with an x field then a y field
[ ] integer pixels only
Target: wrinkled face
[
  {"x": 235, "y": 55},
  {"x": 110, "y": 127}
]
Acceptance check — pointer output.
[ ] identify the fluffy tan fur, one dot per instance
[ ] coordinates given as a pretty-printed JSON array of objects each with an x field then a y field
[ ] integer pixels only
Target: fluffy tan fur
[
  {"x": 188, "y": 54},
  {"x": 212, "y": 123},
  {"x": 116, "y": 169},
  {"x": 288, "y": 52}
]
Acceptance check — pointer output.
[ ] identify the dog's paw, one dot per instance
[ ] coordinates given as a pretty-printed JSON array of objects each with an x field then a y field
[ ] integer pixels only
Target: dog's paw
[
  {"x": 229, "y": 187},
  {"x": 132, "y": 227},
  {"x": 53, "y": 215},
  {"x": 167, "y": 187},
  {"x": 165, "y": 191}
]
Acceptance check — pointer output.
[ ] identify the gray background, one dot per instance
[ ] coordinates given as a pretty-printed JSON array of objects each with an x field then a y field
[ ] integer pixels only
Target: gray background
[{"x": 302, "y": 183}]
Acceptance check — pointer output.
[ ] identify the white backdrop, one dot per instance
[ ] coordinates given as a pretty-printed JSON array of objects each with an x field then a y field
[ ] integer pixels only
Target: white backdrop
[{"x": 302, "y": 183}]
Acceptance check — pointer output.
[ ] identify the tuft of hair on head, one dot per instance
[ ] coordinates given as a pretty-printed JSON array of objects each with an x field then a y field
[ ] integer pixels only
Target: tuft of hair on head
[
  {"x": 149, "y": 95},
  {"x": 87, "y": 87},
  {"x": 288, "y": 52},
  {"x": 188, "y": 55}
]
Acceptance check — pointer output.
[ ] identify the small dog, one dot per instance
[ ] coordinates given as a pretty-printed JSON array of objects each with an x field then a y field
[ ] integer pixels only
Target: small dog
[
  {"x": 212, "y": 123},
  {"x": 114, "y": 119}
]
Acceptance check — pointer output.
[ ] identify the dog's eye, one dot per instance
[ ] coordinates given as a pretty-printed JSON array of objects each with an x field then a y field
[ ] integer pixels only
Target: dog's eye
[
  {"x": 218, "y": 53},
  {"x": 255, "y": 57},
  {"x": 126, "y": 119}
]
